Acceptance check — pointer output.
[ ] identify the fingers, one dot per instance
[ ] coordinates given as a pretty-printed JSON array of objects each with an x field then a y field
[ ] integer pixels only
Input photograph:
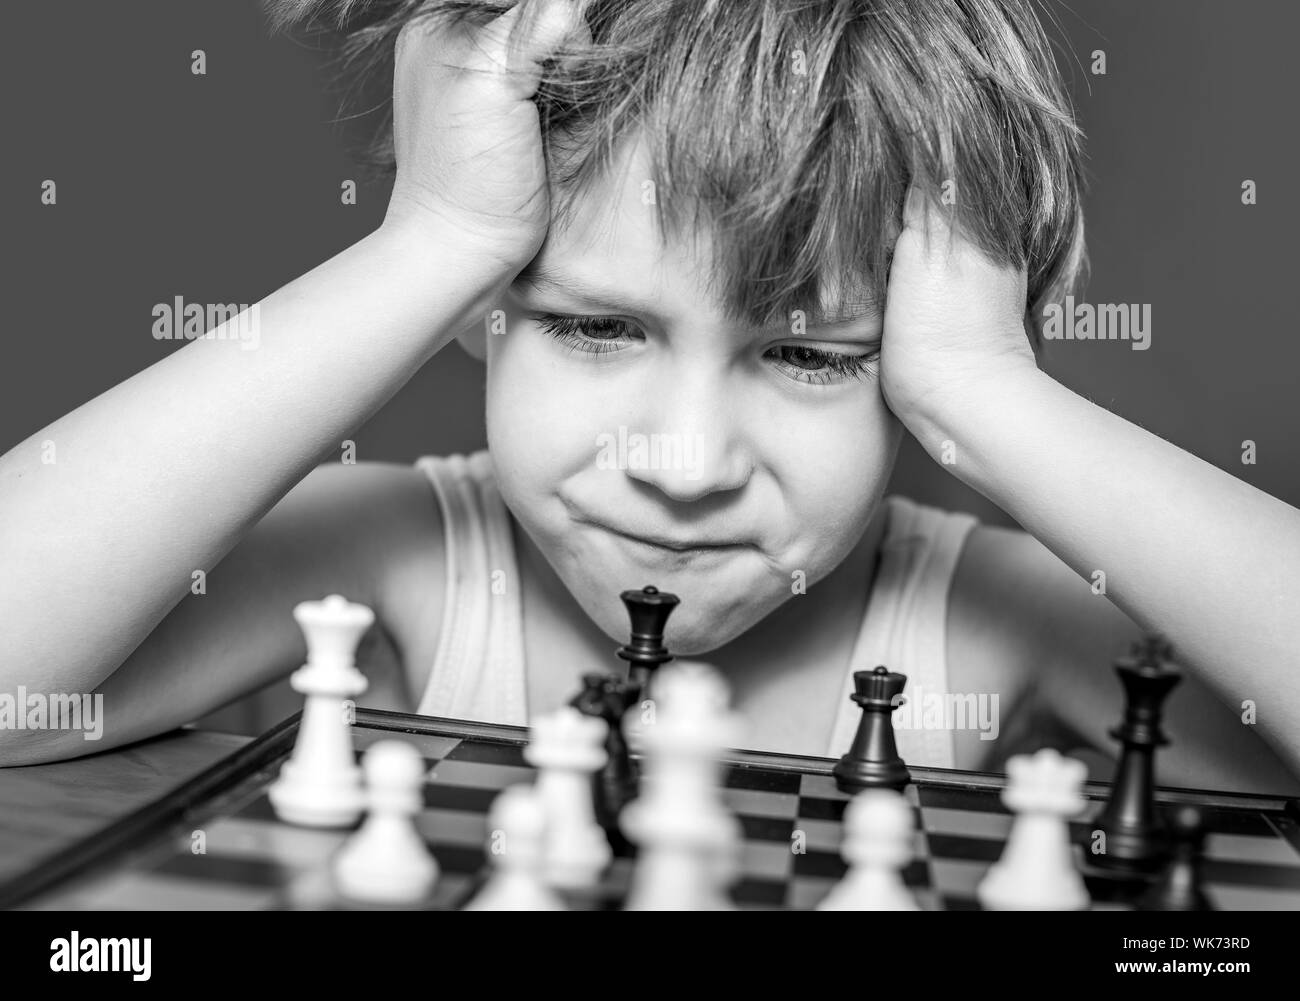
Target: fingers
[
  {"x": 938, "y": 241},
  {"x": 536, "y": 29},
  {"x": 512, "y": 46},
  {"x": 914, "y": 209},
  {"x": 544, "y": 25},
  {"x": 921, "y": 215}
]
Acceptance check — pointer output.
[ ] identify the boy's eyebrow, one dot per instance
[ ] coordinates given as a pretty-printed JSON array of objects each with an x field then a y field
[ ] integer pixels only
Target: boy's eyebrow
[{"x": 540, "y": 277}]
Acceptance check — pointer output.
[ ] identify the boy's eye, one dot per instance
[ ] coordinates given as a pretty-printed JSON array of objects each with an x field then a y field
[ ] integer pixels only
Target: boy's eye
[
  {"x": 599, "y": 335},
  {"x": 593, "y": 334},
  {"x": 820, "y": 367}
]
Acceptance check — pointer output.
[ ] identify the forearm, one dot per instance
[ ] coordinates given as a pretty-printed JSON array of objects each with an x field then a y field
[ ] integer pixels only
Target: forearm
[
  {"x": 1186, "y": 549},
  {"x": 161, "y": 475}
]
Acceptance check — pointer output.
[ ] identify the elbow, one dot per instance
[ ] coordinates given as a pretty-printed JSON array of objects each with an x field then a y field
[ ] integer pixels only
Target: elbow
[{"x": 38, "y": 727}]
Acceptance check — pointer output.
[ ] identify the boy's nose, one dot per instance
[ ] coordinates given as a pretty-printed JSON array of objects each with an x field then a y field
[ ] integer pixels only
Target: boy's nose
[{"x": 694, "y": 443}]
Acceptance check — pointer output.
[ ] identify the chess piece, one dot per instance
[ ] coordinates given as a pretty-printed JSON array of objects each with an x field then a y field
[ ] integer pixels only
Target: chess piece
[
  {"x": 645, "y": 652},
  {"x": 517, "y": 828},
  {"x": 688, "y": 841},
  {"x": 1136, "y": 838},
  {"x": 320, "y": 785},
  {"x": 567, "y": 748},
  {"x": 386, "y": 861},
  {"x": 1037, "y": 869},
  {"x": 608, "y": 697},
  {"x": 1179, "y": 887},
  {"x": 878, "y": 827},
  {"x": 873, "y": 762}
]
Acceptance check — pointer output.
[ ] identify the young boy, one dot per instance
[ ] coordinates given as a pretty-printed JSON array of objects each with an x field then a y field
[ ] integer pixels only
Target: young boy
[{"x": 766, "y": 238}]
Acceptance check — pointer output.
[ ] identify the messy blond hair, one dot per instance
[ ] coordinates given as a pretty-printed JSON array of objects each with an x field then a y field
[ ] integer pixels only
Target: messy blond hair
[{"x": 794, "y": 128}]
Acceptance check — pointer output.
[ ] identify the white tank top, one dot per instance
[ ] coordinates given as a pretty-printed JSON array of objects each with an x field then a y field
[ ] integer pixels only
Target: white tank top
[{"x": 479, "y": 671}]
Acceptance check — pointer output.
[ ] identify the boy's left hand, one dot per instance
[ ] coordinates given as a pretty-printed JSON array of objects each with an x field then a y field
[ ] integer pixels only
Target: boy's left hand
[{"x": 954, "y": 325}]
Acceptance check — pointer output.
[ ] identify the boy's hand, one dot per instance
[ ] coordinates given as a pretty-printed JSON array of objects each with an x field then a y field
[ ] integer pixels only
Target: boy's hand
[
  {"x": 954, "y": 325},
  {"x": 465, "y": 130}
]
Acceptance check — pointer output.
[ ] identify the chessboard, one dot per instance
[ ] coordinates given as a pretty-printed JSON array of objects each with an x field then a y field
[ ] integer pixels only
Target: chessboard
[{"x": 216, "y": 843}]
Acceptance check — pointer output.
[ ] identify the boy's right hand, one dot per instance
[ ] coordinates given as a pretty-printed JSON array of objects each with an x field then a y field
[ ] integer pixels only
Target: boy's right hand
[{"x": 465, "y": 130}]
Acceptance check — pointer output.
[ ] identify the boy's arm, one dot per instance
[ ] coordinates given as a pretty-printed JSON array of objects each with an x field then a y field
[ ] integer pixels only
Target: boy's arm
[
  {"x": 1186, "y": 549},
  {"x": 162, "y": 475},
  {"x": 1019, "y": 616},
  {"x": 369, "y": 531},
  {"x": 106, "y": 514}
]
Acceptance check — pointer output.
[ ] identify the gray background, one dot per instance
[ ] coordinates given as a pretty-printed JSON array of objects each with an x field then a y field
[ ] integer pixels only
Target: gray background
[{"x": 222, "y": 188}]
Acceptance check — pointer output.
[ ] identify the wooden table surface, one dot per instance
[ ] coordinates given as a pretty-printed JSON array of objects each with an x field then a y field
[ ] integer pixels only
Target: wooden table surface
[{"x": 46, "y": 808}]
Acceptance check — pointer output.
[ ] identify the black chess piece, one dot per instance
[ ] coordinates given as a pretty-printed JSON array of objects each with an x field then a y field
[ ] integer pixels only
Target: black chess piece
[
  {"x": 1179, "y": 888},
  {"x": 873, "y": 761},
  {"x": 648, "y": 609},
  {"x": 615, "y": 785},
  {"x": 1136, "y": 838}
]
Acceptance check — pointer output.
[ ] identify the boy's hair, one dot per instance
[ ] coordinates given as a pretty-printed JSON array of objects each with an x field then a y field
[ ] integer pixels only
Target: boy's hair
[{"x": 796, "y": 128}]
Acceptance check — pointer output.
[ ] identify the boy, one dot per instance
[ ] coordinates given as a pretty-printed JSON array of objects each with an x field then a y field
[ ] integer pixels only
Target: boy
[{"x": 851, "y": 247}]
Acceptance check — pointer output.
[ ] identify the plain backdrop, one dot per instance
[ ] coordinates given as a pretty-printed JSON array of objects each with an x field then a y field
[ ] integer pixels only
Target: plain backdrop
[{"x": 223, "y": 187}]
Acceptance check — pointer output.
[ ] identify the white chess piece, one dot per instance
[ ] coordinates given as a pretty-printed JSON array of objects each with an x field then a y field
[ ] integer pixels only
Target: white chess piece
[
  {"x": 387, "y": 861},
  {"x": 1037, "y": 869},
  {"x": 567, "y": 747},
  {"x": 320, "y": 785},
  {"x": 686, "y": 837},
  {"x": 517, "y": 828},
  {"x": 878, "y": 828}
]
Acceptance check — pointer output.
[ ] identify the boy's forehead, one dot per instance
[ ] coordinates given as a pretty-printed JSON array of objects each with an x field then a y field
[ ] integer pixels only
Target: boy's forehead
[
  {"x": 611, "y": 242},
  {"x": 663, "y": 295},
  {"x": 611, "y": 251}
]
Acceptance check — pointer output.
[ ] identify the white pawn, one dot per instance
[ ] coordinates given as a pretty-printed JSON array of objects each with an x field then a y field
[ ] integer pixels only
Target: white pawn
[
  {"x": 878, "y": 828},
  {"x": 567, "y": 747},
  {"x": 518, "y": 827},
  {"x": 320, "y": 785},
  {"x": 387, "y": 861},
  {"x": 1037, "y": 869}
]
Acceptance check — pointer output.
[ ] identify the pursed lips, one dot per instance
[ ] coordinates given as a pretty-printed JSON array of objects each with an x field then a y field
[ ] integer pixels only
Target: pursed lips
[{"x": 674, "y": 544}]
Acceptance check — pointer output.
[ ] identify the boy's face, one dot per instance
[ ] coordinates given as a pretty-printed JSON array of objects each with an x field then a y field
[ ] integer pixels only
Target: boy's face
[{"x": 641, "y": 437}]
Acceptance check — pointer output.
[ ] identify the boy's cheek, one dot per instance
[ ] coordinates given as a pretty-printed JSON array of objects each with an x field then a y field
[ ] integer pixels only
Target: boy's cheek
[
  {"x": 553, "y": 406},
  {"x": 537, "y": 436},
  {"x": 843, "y": 454}
]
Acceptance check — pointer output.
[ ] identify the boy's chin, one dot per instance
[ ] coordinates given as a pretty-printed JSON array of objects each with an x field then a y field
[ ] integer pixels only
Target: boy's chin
[{"x": 698, "y": 641}]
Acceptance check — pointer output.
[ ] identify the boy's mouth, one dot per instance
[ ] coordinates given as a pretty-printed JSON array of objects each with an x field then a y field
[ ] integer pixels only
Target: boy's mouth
[
  {"x": 676, "y": 545},
  {"x": 684, "y": 545}
]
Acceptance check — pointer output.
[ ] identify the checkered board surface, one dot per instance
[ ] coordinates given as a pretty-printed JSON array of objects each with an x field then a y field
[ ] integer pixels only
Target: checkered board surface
[{"x": 789, "y": 809}]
